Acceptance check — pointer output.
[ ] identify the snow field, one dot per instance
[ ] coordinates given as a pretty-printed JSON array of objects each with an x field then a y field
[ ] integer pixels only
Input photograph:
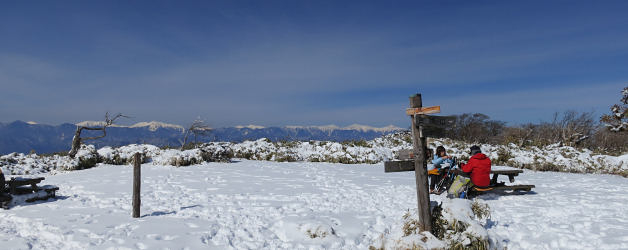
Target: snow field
[
  {"x": 566, "y": 211},
  {"x": 248, "y": 205},
  {"x": 270, "y": 205}
]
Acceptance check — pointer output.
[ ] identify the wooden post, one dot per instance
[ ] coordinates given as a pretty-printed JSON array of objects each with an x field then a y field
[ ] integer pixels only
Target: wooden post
[
  {"x": 137, "y": 167},
  {"x": 420, "y": 167}
]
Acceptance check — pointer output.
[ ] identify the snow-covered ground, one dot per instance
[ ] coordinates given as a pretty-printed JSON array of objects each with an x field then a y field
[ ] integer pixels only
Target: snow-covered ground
[
  {"x": 566, "y": 211},
  {"x": 271, "y": 205}
]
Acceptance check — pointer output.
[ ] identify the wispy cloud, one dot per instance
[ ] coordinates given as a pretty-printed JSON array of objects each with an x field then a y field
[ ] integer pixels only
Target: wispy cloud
[{"x": 315, "y": 63}]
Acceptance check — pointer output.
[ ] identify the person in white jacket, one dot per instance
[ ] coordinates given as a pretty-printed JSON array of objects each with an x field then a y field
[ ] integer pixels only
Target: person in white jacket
[{"x": 441, "y": 159}]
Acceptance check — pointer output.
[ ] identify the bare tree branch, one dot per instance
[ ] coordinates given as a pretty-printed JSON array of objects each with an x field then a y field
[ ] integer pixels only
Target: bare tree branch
[
  {"x": 77, "y": 140},
  {"x": 197, "y": 128}
]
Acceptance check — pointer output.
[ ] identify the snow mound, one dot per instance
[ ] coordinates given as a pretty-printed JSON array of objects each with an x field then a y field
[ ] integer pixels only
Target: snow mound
[
  {"x": 32, "y": 164},
  {"x": 88, "y": 156},
  {"x": 456, "y": 226}
]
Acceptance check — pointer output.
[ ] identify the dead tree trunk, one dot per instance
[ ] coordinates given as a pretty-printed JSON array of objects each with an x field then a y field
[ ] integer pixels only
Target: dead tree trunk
[
  {"x": 76, "y": 142},
  {"x": 77, "y": 139}
]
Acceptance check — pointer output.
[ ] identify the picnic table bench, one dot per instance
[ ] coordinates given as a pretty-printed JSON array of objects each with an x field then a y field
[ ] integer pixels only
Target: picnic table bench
[
  {"x": 22, "y": 186},
  {"x": 511, "y": 173},
  {"x": 408, "y": 165}
]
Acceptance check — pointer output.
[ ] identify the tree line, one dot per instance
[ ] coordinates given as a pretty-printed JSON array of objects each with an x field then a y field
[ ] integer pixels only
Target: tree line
[{"x": 570, "y": 128}]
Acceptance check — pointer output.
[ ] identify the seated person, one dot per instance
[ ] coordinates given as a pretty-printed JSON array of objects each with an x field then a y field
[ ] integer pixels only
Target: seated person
[
  {"x": 479, "y": 167},
  {"x": 4, "y": 197},
  {"x": 2, "y": 182},
  {"x": 441, "y": 159}
]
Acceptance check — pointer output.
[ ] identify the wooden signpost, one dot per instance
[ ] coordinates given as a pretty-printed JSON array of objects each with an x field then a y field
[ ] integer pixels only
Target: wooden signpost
[
  {"x": 417, "y": 112},
  {"x": 420, "y": 120},
  {"x": 137, "y": 168}
]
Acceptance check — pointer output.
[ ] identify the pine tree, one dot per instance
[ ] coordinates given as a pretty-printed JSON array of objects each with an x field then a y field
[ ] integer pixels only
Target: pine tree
[{"x": 617, "y": 121}]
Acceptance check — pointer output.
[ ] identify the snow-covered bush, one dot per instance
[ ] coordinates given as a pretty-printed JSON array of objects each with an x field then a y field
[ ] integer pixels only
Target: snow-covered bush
[
  {"x": 86, "y": 156},
  {"x": 350, "y": 152},
  {"x": 178, "y": 158},
  {"x": 20, "y": 164},
  {"x": 124, "y": 155},
  {"x": 216, "y": 152},
  {"x": 547, "y": 158},
  {"x": 208, "y": 152},
  {"x": 456, "y": 224},
  {"x": 31, "y": 164}
]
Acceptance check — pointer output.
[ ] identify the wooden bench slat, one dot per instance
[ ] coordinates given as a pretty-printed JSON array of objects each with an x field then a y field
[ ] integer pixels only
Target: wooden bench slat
[
  {"x": 506, "y": 172},
  {"x": 48, "y": 187},
  {"x": 21, "y": 181},
  {"x": 514, "y": 187},
  {"x": 398, "y": 166}
]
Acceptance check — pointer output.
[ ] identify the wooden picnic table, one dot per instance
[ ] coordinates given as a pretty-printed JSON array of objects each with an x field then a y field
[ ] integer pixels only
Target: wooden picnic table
[
  {"x": 408, "y": 165},
  {"x": 496, "y": 173},
  {"x": 511, "y": 173},
  {"x": 25, "y": 186},
  {"x": 21, "y": 185},
  {"x": 16, "y": 184}
]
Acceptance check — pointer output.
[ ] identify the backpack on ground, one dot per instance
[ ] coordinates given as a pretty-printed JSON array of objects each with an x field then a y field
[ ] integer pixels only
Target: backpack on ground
[{"x": 458, "y": 187}]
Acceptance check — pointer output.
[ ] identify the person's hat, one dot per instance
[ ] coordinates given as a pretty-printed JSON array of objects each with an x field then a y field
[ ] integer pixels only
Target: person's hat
[{"x": 475, "y": 150}]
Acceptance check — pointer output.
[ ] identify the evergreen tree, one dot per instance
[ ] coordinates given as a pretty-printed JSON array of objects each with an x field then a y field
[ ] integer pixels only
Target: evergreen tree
[{"x": 617, "y": 121}]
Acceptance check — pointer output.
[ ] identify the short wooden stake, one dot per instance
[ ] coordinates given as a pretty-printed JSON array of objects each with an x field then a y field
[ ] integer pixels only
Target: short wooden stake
[
  {"x": 137, "y": 169},
  {"x": 420, "y": 167}
]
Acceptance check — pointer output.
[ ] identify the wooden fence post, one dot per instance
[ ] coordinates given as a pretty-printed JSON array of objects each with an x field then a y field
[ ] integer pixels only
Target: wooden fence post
[
  {"x": 420, "y": 170},
  {"x": 137, "y": 167}
]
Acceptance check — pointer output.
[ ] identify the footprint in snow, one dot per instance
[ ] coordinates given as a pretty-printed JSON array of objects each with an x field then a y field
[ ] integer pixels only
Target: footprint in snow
[{"x": 160, "y": 237}]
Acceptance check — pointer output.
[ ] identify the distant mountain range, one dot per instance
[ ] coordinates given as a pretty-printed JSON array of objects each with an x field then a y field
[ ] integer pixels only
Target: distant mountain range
[{"x": 22, "y": 137}]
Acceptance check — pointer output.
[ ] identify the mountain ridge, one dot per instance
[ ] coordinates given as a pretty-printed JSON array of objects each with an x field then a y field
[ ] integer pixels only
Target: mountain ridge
[{"x": 22, "y": 137}]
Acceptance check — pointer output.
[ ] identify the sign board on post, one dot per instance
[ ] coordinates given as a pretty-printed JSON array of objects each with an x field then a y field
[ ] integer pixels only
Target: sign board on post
[
  {"x": 423, "y": 111},
  {"x": 398, "y": 166},
  {"x": 418, "y": 113},
  {"x": 438, "y": 121}
]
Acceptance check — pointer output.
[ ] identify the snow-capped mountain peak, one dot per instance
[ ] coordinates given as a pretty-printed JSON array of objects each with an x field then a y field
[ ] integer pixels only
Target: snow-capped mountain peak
[
  {"x": 251, "y": 126},
  {"x": 95, "y": 124},
  {"x": 365, "y": 128},
  {"x": 358, "y": 127},
  {"x": 154, "y": 125}
]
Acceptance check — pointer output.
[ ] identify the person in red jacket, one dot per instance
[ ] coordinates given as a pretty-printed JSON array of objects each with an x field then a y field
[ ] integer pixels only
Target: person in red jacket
[{"x": 479, "y": 166}]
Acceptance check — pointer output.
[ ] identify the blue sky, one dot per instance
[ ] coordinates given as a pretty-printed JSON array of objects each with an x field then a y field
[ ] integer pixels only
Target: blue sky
[{"x": 276, "y": 63}]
